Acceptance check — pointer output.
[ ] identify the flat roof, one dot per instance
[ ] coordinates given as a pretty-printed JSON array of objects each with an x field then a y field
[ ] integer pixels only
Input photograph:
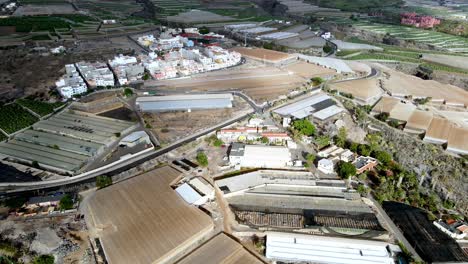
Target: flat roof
[
  {"x": 293, "y": 201},
  {"x": 221, "y": 249},
  {"x": 172, "y": 103},
  {"x": 321, "y": 249},
  {"x": 267, "y": 177},
  {"x": 336, "y": 64},
  {"x": 143, "y": 220},
  {"x": 184, "y": 97},
  {"x": 439, "y": 130}
]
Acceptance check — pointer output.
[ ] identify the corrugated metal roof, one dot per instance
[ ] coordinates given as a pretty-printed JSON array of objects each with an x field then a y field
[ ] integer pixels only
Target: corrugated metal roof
[
  {"x": 188, "y": 193},
  {"x": 320, "y": 249},
  {"x": 328, "y": 112},
  {"x": 182, "y": 97},
  {"x": 302, "y": 108}
]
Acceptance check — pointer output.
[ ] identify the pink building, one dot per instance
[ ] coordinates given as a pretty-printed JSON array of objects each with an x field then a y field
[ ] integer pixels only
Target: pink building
[{"x": 413, "y": 19}]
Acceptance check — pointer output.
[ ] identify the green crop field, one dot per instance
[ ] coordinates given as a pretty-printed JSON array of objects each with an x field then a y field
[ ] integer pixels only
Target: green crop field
[
  {"x": 439, "y": 40},
  {"x": 38, "y": 107},
  {"x": 13, "y": 118},
  {"x": 44, "y": 23}
]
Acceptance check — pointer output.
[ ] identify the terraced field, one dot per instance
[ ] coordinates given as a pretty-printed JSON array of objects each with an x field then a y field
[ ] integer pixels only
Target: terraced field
[
  {"x": 38, "y": 107},
  {"x": 439, "y": 40},
  {"x": 173, "y": 7}
]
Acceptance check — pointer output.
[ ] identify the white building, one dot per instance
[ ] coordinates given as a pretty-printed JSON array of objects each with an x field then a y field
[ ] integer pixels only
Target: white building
[
  {"x": 293, "y": 247},
  {"x": 135, "y": 138},
  {"x": 71, "y": 83},
  {"x": 260, "y": 156},
  {"x": 325, "y": 166},
  {"x": 96, "y": 74}
]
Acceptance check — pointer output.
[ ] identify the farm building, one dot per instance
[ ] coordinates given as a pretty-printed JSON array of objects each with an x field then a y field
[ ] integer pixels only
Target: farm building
[
  {"x": 260, "y": 156},
  {"x": 221, "y": 249},
  {"x": 266, "y": 55},
  {"x": 339, "y": 65},
  {"x": 418, "y": 122},
  {"x": 319, "y": 249},
  {"x": 135, "y": 138},
  {"x": 438, "y": 131},
  {"x": 458, "y": 140},
  {"x": 190, "y": 195},
  {"x": 151, "y": 220},
  {"x": 321, "y": 106},
  {"x": 364, "y": 164},
  {"x": 65, "y": 142},
  {"x": 325, "y": 166},
  {"x": 365, "y": 91},
  {"x": 184, "y": 102}
]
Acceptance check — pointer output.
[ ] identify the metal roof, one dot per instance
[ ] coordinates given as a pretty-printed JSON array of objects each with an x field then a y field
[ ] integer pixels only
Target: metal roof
[
  {"x": 185, "y": 102},
  {"x": 328, "y": 112},
  {"x": 320, "y": 249},
  {"x": 303, "y": 108},
  {"x": 188, "y": 193}
]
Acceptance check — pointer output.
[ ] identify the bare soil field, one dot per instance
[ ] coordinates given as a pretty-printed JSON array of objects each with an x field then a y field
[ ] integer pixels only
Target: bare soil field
[
  {"x": 34, "y": 10},
  {"x": 308, "y": 70},
  {"x": 454, "y": 61},
  {"x": 121, "y": 113},
  {"x": 261, "y": 84},
  {"x": 172, "y": 126},
  {"x": 263, "y": 54},
  {"x": 400, "y": 84}
]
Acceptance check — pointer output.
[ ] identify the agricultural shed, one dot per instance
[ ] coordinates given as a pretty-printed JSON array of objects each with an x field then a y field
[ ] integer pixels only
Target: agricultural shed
[
  {"x": 458, "y": 140},
  {"x": 320, "y": 249},
  {"x": 402, "y": 111},
  {"x": 365, "y": 91},
  {"x": 221, "y": 249},
  {"x": 143, "y": 220},
  {"x": 271, "y": 56},
  {"x": 188, "y": 194},
  {"x": 184, "y": 102},
  {"x": 306, "y": 107},
  {"x": 385, "y": 105},
  {"x": 438, "y": 131},
  {"x": 418, "y": 122},
  {"x": 339, "y": 65}
]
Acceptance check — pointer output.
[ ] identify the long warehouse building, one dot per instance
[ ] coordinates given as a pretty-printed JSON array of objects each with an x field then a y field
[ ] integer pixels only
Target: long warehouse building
[{"x": 184, "y": 102}]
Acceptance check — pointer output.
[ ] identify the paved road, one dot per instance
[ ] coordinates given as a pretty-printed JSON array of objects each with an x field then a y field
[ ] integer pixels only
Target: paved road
[{"x": 9, "y": 188}]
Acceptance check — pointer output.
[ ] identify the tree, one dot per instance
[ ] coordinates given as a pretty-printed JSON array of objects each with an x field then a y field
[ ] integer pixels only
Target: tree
[
  {"x": 384, "y": 157},
  {"x": 304, "y": 127},
  {"x": 364, "y": 150},
  {"x": 66, "y": 202},
  {"x": 341, "y": 137},
  {"x": 322, "y": 141},
  {"x": 128, "y": 92},
  {"x": 103, "y": 181},
  {"x": 363, "y": 190},
  {"x": 374, "y": 141},
  {"x": 327, "y": 49},
  {"x": 345, "y": 169},
  {"x": 310, "y": 158},
  {"x": 317, "y": 81},
  {"x": 35, "y": 164},
  {"x": 264, "y": 140},
  {"x": 382, "y": 117},
  {"x": 218, "y": 142},
  {"x": 146, "y": 76},
  {"x": 202, "y": 159},
  {"x": 354, "y": 147},
  {"x": 204, "y": 30},
  {"x": 44, "y": 259}
]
